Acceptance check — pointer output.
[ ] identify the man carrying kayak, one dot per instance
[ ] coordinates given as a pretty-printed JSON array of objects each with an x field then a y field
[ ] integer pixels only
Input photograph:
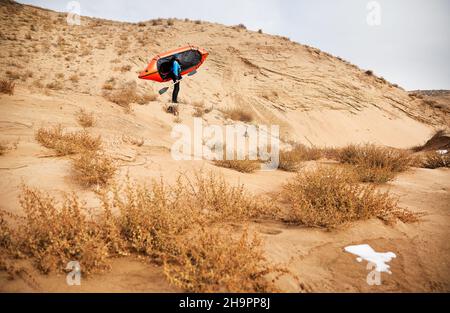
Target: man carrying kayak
[{"x": 175, "y": 74}]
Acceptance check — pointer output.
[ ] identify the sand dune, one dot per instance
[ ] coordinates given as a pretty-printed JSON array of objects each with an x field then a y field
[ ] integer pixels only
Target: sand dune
[{"x": 316, "y": 98}]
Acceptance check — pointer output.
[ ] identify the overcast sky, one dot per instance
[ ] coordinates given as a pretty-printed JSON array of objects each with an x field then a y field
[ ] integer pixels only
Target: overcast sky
[{"x": 407, "y": 43}]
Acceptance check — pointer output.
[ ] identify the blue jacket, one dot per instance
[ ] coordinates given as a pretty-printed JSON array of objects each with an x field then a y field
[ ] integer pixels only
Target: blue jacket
[{"x": 176, "y": 69}]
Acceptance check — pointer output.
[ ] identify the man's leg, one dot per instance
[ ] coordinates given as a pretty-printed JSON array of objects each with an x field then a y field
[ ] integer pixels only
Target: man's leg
[{"x": 176, "y": 89}]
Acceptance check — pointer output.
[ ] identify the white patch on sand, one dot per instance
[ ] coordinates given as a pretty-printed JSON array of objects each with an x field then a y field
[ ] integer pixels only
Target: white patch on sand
[{"x": 365, "y": 252}]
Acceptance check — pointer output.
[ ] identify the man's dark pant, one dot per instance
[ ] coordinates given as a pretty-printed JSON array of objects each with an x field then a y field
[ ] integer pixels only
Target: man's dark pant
[{"x": 176, "y": 89}]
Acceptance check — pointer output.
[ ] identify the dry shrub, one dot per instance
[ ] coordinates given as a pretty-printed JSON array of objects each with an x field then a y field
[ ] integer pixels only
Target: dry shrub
[
  {"x": 7, "y": 87},
  {"x": 122, "y": 97},
  {"x": 330, "y": 197},
  {"x": 133, "y": 140},
  {"x": 67, "y": 143},
  {"x": 177, "y": 224},
  {"x": 54, "y": 234},
  {"x": 85, "y": 119},
  {"x": 127, "y": 94},
  {"x": 243, "y": 166},
  {"x": 3, "y": 148},
  {"x": 153, "y": 220},
  {"x": 435, "y": 159},
  {"x": 239, "y": 114},
  {"x": 239, "y": 27},
  {"x": 109, "y": 84},
  {"x": 203, "y": 200},
  {"x": 290, "y": 160},
  {"x": 214, "y": 260},
  {"x": 9, "y": 253},
  {"x": 55, "y": 85},
  {"x": 157, "y": 22},
  {"x": 93, "y": 168},
  {"x": 198, "y": 111},
  {"x": 375, "y": 164},
  {"x": 74, "y": 78},
  {"x": 125, "y": 68}
]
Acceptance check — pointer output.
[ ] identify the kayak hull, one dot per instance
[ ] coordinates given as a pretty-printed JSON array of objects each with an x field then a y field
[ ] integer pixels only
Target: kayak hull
[{"x": 191, "y": 58}]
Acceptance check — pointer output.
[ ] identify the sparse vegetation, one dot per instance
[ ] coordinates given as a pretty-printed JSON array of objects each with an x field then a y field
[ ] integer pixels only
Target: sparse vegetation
[
  {"x": 7, "y": 86},
  {"x": 53, "y": 234},
  {"x": 375, "y": 164},
  {"x": 199, "y": 109},
  {"x": 109, "y": 84},
  {"x": 133, "y": 140},
  {"x": 329, "y": 197},
  {"x": 55, "y": 85},
  {"x": 434, "y": 159},
  {"x": 213, "y": 261},
  {"x": 181, "y": 225},
  {"x": 243, "y": 166},
  {"x": 290, "y": 160},
  {"x": 74, "y": 78},
  {"x": 85, "y": 119},
  {"x": 239, "y": 114},
  {"x": 67, "y": 143},
  {"x": 127, "y": 94},
  {"x": 3, "y": 148},
  {"x": 93, "y": 168},
  {"x": 240, "y": 27},
  {"x": 157, "y": 22}
]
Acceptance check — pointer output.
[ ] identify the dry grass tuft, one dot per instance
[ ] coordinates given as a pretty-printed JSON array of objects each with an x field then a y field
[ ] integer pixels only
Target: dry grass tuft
[
  {"x": 181, "y": 225},
  {"x": 239, "y": 114},
  {"x": 290, "y": 160},
  {"x": 434, "y": 160},
  {"x": 74, "y": 78},
  {"x": 213, "y": 261},
  {"x": 243, "y": 166},
  {"x": 53, "y": 234},
  {"x": 123, "y": 97},
  {"x": 133, "y": 140},
  {"x": 94, "y": 168},
  {"x": 7, "y": 87},
  {"x": 154, "y": 220},
  {"x": 67, "y": 143},
  {"x": 200, "y": 109},
  {"x": 375, "y": 164},
  {"x": 3, "y": 148},
  {"x": 55, "y": 85},
  {"x": 85, "y": 119},
  {"x": 328, "y": 197},
  {"x": 126, "y": 94}
]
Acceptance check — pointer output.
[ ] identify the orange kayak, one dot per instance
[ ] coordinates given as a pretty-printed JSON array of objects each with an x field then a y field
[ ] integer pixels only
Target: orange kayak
[{"x": 159, "y": 68}]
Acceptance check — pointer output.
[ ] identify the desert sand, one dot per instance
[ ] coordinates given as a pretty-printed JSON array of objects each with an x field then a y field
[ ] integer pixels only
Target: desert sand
[{"x": 316, "y": 98}]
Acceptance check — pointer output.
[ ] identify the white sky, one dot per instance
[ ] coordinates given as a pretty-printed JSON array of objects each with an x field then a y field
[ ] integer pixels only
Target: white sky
[{"x": 411, "y": 46}]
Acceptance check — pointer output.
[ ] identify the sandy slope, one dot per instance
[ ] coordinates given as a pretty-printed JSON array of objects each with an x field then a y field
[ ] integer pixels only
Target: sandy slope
[{"x": 314, "y": 97}]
